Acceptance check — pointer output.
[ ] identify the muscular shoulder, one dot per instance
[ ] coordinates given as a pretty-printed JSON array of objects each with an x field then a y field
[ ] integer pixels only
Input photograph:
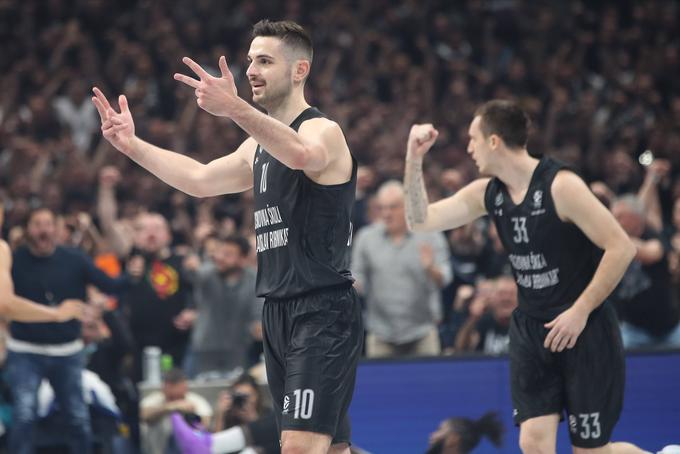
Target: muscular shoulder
[
  {"x": 565, "y": 180},
  {"x": 320, "y": 125},
  {"x": 326, "y": 135},
  {"x": 570, "y": 194}
]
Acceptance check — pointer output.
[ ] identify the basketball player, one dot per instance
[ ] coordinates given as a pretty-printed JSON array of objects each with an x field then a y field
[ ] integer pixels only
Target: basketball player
[
  {"x": 565, "y": 345},
  {"x": 14, "y": 307},
  {"x": 304, "y": 180}
]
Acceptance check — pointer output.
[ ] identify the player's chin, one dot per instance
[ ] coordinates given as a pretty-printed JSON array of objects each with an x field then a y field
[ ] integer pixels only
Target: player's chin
[{"x": 258, "y": 98}]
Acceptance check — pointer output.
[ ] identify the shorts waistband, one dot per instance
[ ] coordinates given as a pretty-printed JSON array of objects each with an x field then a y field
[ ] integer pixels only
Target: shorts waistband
[{"x": 318, "y": 291}]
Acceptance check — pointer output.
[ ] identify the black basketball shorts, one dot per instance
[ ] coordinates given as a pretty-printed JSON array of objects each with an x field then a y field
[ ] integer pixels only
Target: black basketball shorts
[
  {"x": 585, "y": 382},
  {"x": 312, "y": 345}
]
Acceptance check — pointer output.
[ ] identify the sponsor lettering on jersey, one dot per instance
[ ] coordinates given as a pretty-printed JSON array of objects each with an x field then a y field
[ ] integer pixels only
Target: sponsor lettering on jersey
[{"x": 267, "y": 217}]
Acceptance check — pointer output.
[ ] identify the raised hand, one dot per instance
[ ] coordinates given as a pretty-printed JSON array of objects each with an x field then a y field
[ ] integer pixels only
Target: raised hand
[
  {"x": 420, "y": 139},
  {"x": 215, "y": 95},
  {"x": 117, "y": 127},
  {"x": 109, "y": 177}
]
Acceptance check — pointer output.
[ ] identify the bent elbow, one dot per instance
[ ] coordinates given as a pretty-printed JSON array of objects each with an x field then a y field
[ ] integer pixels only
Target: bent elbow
[
  {"x": 630, "y": 251},
  {"x": 300, "y": 160}
]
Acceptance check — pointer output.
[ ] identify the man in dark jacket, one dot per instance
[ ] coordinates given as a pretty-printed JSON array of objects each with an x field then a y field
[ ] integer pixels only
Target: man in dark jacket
[{"x": 49, "y": 274}]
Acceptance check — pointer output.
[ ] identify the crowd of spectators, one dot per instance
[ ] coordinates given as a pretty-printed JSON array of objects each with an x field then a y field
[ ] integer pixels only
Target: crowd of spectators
[{"x": 599, "y": 80}]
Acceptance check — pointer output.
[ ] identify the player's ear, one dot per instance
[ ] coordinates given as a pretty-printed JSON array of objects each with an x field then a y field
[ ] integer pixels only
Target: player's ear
[
  {"x": 301, "y": 70},
  {"x": 494, "y": 141}
]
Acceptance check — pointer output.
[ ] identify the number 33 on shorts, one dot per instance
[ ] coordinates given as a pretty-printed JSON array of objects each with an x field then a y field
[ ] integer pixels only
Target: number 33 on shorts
[
  {"x": 586, "y": 424},
  {"x": 302, "y": 405}
]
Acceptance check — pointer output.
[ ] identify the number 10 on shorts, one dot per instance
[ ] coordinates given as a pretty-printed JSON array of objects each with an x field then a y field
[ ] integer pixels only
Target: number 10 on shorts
[{"x": 303, "y": 405}]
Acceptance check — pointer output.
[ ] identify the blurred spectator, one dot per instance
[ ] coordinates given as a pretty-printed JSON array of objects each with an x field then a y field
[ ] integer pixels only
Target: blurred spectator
[
  {"x": 159, "y": 293},
  {"x": 657, "y": 173},
  {"x": 674, "y": 240},
  {"x": 47, "y": 273},
  {"x": 108, "y": 347},
  {"x": 155, "y": 410},
  {"x": 241, "y": 422},
  {"x": 646, "y": 305},
  {"x": 462, "y": 435},
  {"x": 476, "y": 253},
  {"x": 13, "y": 307},
  {"x": 486, "y": 328},
  {"x": 365, "y": 183},
  {"x": 226, "y": 318},
  {"x": 400, "y": 275},
  {"x": 241, "y": 404}
]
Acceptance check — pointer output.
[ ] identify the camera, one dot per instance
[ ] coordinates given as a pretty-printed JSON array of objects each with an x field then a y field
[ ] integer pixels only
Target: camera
[{"x": 239, "y": 399}]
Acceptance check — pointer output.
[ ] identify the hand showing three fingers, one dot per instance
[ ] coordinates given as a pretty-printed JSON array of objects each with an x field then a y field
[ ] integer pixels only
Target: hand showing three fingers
[
  {"x": 117, "y": 127},
  {"x": 215, "y": 95}
]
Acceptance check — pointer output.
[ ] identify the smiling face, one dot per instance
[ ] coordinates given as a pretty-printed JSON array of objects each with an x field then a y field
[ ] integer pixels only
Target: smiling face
[{"x": 273, "y": 71}]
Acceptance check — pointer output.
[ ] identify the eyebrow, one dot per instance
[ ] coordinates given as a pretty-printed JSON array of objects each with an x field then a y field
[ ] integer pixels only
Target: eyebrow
[{"x": 260, "y": 56}]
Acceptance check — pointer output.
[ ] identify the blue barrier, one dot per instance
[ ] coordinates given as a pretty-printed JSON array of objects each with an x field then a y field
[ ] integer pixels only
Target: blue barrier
[{"x": 397, "y": 404}]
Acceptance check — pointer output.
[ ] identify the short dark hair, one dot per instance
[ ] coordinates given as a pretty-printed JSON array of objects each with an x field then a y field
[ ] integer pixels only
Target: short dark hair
[
  {"x": 38, "y": 209},
  {"x": 174, "y": 376},
  {"x": 507, "y": 120},
  {"x": 239, "y": 240},
  {"x": 291, "y": 33}
]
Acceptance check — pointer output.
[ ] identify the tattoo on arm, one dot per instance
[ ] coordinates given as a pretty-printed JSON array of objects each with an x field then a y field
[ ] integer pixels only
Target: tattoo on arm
[{"x": 416, "y": 195}]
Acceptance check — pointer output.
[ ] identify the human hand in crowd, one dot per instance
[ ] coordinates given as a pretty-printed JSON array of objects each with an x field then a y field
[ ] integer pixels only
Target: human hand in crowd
[
  {"x": 215, "y": 95},
  {"x": 83, "y": 221},
  {"x": 71, "y": 309},
  {"x": 658, "y": 170},
  {"x": 420, "y": 140},
  {"x": 109, "y": 177},
  {"x": 97, "y": 299},
  {"x": 202, "y": 230},
  {"x": 191, "y": 262},
  {"x": 136, "y": 266},
  {"x": 118, "y": 127},
  {"x": 185, "y": 319},
  {"x": 256, "y": 331},
  {"x": 478, "y": 306},
  {"x": 224, "y": 402},
  {"x": 426, "y": 256},
  {"x": 182, "y": 406},
  {"x": 565, "y": 329},
  {"x": 464, "y": 294}
]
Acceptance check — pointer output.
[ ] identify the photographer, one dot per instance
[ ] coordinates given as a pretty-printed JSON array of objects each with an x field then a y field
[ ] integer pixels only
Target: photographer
[
  {"x": 486, "y": 328},
  {"x": 242, "y": 424},
  {"x": 239, "y": 405},
  {"x": 155, "y": 409}
]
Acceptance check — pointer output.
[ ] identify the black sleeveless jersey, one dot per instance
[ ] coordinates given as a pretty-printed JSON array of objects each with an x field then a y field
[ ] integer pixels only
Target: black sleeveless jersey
[
  {"x": 553, "y": 261},
  {"x": 303, "y": 230}
]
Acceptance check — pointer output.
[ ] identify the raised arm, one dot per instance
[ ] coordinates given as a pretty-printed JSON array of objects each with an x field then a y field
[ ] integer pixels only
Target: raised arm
[
  {"x": 229, "y": 174},
  {"x": 317, "y": 147},
  {"x": 461, "y": 208}
]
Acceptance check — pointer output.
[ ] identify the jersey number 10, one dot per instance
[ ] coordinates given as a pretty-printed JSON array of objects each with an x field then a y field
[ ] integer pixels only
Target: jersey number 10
[{"x": 263, "y": 178}]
